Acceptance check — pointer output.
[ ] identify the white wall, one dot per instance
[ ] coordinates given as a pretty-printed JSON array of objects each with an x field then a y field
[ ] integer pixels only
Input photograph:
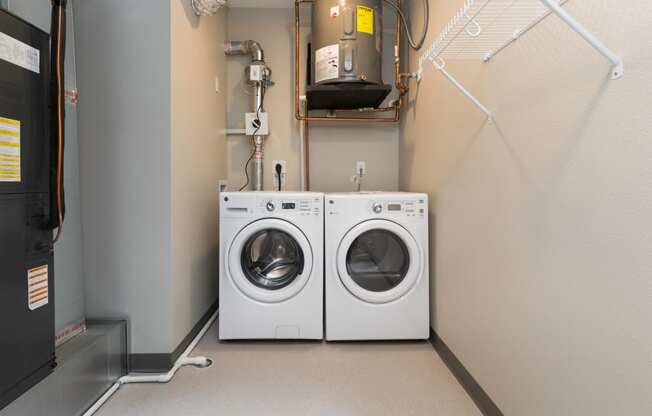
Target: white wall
[
  {"x": 541, "y": 231},
  {"x": 123, "y": 67},
  {"x": 68, "y": 270},
  {"x": 334, "y": 148},
  {"x": 198, "y": 161}
]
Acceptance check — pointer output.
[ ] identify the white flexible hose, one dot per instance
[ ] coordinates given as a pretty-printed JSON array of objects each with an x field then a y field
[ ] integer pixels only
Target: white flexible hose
[{"x": 184, "y": 360}]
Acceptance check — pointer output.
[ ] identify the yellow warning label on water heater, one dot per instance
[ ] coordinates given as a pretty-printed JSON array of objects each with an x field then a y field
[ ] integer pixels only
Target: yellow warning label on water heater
[
  {"x": 9, "y": 150},
  {"x": 365, "y": 19}
]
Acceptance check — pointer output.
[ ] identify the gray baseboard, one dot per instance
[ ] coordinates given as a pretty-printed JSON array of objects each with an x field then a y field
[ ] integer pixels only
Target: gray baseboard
[
  {"x": 162, "y": 363},
  {"x": 470, "y": 385},
  {"x": 88, "y": 365}
]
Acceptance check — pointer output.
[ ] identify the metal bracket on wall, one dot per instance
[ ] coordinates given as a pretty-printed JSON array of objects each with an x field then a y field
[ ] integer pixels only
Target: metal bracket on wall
[
  {"x": 483, "y": 28},
  {"x": 440, "y": 66}
]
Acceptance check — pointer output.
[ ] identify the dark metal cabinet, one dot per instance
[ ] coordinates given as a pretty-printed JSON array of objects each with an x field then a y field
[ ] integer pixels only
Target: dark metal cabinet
[{"x": 26, "y": 333}]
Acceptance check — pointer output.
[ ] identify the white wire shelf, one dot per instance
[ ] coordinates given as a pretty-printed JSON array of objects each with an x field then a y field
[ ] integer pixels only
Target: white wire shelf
[{"x": 483, "y": 28}]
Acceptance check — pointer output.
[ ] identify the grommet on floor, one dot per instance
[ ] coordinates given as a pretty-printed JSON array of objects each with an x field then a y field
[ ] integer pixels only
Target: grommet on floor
[{"x": 207, "y": 364}]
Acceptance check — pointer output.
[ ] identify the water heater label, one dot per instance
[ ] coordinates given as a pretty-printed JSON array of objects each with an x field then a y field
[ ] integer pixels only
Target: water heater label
[
  {"x": 327, "y": 62},
  {"x": 19, "y": 53},
  {"x": 9, "y": 150},
  {"x": 37, "y": 287},
  {"x": 365, "y": 19}
]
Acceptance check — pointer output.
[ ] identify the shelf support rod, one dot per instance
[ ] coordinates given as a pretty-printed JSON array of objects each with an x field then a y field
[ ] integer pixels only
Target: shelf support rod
[
  {"x": 618, "y": 66},
  {"x": 440, "y": 66}
]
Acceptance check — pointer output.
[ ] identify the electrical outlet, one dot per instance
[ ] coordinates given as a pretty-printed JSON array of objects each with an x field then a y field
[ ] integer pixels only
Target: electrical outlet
[
  {"x": 284, "y": 171},
  {"x": 223, "y": 185},
  {"x": 361, "y": 168}
]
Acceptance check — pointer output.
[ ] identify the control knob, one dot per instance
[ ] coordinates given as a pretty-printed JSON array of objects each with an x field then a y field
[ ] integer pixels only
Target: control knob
[
  {"x": 378, "y": 208},
  {"x": 270, "y": 206}
]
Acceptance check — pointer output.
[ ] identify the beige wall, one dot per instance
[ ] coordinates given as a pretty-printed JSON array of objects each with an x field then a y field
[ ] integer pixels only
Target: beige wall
[
  {"x": 198, "y": 161},
  {"x": 334, "y": 149},
  {"x": 541, "y": 231}
]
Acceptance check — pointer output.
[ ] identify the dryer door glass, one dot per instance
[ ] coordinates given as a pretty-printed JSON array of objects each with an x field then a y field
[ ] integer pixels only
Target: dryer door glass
[
  {"x": 272, "y": 259},
  {"x": 378, "y": 260}
]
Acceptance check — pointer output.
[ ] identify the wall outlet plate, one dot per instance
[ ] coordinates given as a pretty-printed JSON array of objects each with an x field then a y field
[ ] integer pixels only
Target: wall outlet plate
[
  {"x": 361, "y": 167},
  {"x": 284, "y": 171},
  {"x": 252, "y": 127}
]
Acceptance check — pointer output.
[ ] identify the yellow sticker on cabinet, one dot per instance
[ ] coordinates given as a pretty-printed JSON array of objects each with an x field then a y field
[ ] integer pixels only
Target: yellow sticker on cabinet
[
  {"x": 9, "y": 150},
  {"x": 38, "y": 288},
  {"x": 365, "y": 19}
]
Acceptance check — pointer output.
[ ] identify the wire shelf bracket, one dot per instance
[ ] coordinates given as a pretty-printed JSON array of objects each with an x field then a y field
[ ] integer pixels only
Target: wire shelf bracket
[{"x": 481, "y": 29}]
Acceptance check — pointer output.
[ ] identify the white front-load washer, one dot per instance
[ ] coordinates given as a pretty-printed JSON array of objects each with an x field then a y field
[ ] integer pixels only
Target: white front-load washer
[
  {"x": 376, "y": 266},
  {"x": 271, "y": 265}
]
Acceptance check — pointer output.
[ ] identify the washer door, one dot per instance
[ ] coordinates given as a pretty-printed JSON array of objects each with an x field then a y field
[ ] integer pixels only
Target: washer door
[
  {"x": 270, "y": 260},
  {"x": 379, "y": 261}
]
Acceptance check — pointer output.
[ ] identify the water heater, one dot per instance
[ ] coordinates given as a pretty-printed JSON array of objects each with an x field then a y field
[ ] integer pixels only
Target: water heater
[{"x": 346, "y": 55}]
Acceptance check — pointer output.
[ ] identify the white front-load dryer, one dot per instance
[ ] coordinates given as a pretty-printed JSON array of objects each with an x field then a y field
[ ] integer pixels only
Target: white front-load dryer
[
  {"x": 376, "y": 270},
  {"x": 271, "y": 265}
]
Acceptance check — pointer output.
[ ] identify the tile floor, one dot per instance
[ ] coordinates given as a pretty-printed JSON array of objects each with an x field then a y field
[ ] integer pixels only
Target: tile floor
[{"x": 302, "y": 379}]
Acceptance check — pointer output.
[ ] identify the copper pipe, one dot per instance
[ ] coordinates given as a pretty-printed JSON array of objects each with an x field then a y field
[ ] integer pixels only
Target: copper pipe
[
  {"x": 400, "y": 86},
  {"x": 60, "y": 121},
  {"x": 306, "y": 150},
  {"x": 297, "y": 51}
]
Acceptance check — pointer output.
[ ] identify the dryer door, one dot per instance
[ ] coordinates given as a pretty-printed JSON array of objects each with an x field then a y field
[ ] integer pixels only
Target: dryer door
[
  {"x": 270, "y": 260},
  {"x": 379, "y": 261}
]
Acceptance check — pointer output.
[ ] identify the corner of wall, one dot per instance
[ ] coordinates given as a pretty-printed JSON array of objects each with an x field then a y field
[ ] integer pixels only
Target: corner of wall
[{"x": 198, "y": 160}]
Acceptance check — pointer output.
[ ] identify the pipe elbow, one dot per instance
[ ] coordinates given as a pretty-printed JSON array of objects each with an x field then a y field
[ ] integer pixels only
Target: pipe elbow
[
  {"x": 250, "y": 47},
  {"x": 255, "y": 50}
]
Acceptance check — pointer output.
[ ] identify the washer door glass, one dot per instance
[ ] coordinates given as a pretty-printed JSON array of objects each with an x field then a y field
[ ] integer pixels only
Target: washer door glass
[
  {"x": 272, "y": 259},
  {"x": 378, "y": 260}
]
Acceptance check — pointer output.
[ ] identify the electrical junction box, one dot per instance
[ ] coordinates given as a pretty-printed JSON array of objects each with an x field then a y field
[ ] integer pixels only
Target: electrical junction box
[
  {"x": 256, "y": 72},
  {"x": 256, "y": 124}
]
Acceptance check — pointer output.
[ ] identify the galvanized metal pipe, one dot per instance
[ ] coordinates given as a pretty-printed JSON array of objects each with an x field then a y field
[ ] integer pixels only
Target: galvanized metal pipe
[
  {"x": 258, "y": 140},
  {"x": 236, "y": 47},
  {"x": 254, "y": 49}
]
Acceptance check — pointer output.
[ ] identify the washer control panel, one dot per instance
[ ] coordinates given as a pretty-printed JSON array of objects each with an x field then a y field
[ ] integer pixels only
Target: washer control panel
[{"x": 291, "y": 206}]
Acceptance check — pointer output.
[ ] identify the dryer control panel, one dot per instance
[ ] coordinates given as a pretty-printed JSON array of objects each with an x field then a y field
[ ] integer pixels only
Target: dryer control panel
[{"x": 408, "y": 208}]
